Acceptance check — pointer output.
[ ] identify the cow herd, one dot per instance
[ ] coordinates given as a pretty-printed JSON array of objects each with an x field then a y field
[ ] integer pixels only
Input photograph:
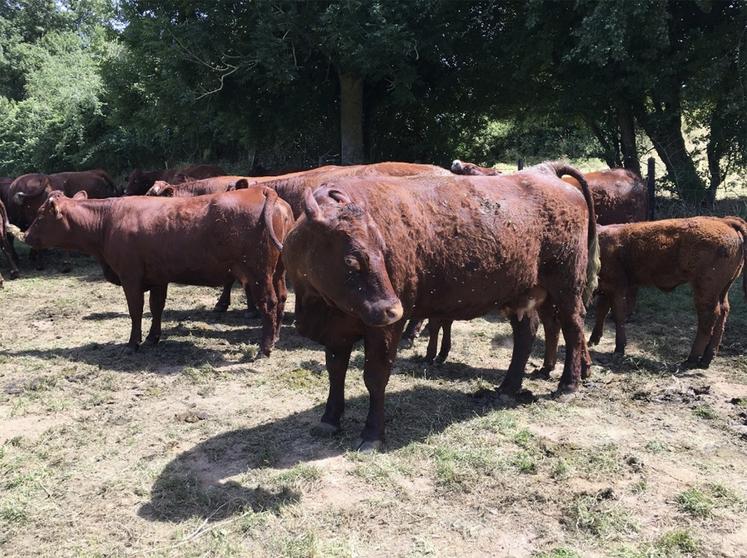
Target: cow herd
[{"x": 368, "y": 247}]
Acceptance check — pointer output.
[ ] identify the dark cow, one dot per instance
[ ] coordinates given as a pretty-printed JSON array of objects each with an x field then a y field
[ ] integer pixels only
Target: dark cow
[
  {"x": 5, "y": 245},
  {"x": 139, "y": 181},
  {"x": 29, "y": 192},
  {"x": 291, "y": 188},
  {"x": 471, "y": 169},
  {"x": 706, "y": 252},
  {"x": 369, "y": 252},
  {"x": 202, "y": 187},
  {"x": 145, "y": 243},
  {"x": 619, "y": 195}
]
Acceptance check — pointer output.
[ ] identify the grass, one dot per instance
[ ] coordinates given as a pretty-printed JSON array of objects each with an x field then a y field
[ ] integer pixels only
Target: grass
[{"x": 98, "y": 457}]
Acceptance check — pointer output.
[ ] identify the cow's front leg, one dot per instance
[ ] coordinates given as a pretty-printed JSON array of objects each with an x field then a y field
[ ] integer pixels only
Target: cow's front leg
[
  {"x": 524, "y": 331},
  {"x": 411, "y": 332},
  {"x": 380, "y": 345},
  {"x": 551, "y": 325},
  {"x": 337, "y": 359},
  {"x": 157, "y": 302},
  {"x": 443, "y": 354},
  {"x": 134, "y": 294}
]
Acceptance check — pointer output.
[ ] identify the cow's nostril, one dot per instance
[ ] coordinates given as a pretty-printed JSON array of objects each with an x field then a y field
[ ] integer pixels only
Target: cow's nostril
[{"x": 395, "y": 312}]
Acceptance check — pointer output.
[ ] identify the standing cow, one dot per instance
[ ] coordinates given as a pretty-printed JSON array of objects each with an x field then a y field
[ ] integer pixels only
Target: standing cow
[
  {"x": 369, "y": 252},
  {"x": 5, "y": 245},
  {"x": 139, "y": 181},
  {"x": 145, "y": 243},
  {"x": 619, "y": 195}
]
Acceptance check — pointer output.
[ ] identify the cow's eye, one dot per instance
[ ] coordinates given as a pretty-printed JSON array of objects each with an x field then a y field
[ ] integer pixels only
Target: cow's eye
[{"x": 353, "y": 263}]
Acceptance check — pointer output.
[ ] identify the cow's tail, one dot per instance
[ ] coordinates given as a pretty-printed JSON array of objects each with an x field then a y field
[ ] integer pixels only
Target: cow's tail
[
  {"x": 271, "y": 197},
  {"x": 740, "y": 225},
  {"x": 593, "y": 264}
]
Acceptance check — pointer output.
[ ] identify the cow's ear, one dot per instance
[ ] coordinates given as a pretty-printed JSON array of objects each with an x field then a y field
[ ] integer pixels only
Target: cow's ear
[
  {"x": 167, "y": 191},
  {"x": 338, "y": 196},
  {"x": 311, "y": 207},
  {"x": 81, "y": 195},
  {"x": 241, "y": 184}
]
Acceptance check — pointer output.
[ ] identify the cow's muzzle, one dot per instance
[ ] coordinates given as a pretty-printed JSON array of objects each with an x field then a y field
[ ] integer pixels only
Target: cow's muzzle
[{"x": 383, "y": 313}]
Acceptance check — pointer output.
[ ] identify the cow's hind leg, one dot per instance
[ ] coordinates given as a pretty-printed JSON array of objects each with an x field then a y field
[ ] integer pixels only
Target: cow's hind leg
[
  {"x": 709, "y": 314},
  {"x": 263, "y": 293},
  {"x": 337, "y": 359},
  {"x": 281, "y": 292},
  {"x": 524, "y": 331},
  {"x": 225, "y": 297},
  {"x": 711, "y": 349},
  {"x": 571, "y": 315},
  {"x": 443, "y": 354},
  {"x": 134, "y": 294},
  {"x": 434, "y": 327},
  {"x": 551, "y": 325},
  {"x": 380, "y": 345},
  {"x": 602, "y": 309},
  {"x": 411, "y": 332},
  {"x": 157, "y": 302}
]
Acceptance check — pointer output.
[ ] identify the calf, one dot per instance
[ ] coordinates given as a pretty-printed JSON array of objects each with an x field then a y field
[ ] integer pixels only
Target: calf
[
  {"x": 369, "y": 252},
  {"x": 145, "y": 243},
  {"x": 706, "y": 252}
]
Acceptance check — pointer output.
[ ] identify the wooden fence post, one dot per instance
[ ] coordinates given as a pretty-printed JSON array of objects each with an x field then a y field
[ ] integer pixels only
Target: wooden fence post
[
  {"x": 520, "y": 164},
  {"x": 651, "y": 184}
]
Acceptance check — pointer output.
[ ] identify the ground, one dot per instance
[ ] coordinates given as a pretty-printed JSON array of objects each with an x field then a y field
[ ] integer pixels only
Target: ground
[{"x": 193, "y": 448}]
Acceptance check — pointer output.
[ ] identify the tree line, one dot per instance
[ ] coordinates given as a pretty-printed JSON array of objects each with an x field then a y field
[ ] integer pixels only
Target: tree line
[{"x": 273, "y": 85}]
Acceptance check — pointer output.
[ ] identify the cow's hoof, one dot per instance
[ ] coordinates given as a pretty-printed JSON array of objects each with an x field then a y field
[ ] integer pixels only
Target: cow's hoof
[
  {"x": 565, "y": 390},
  {"x": 152, "y": 341},
  {"x": 594, "y": 340},
  {"x": 544, "y": 372},
  {"x": 220, "y": 307},
  {"x": 325, "y": 430},
  {"x": 369, "y": 446},
  {"x": 14, "y": 275},
  {"x": 130, "y": 349},
  {"x": 440, "y": 359},
  {"x": 691, "y": 364}
]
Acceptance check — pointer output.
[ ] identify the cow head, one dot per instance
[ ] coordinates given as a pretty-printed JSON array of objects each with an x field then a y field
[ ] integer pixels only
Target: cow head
[
  {"x": 138, "y": 183},
  {"x": 337, "y": 249},
  {"x": 27, "y": 194},
  {"x": 161, "y": 188},
  {"x": 50, "y": 224}
]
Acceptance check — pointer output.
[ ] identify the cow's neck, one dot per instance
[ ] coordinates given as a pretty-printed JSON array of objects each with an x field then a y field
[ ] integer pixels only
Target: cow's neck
[{"x": 86, "y": 219}]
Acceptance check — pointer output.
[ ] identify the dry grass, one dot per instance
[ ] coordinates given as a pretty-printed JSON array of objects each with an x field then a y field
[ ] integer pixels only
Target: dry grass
[{"x": 193, "y": 449}]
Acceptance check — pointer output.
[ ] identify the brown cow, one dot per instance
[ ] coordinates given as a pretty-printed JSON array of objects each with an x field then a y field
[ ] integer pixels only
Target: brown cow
[
  {"x": 619, "y": 195},
  {"x": 291, "y": 188},
  {"x": 706, "y": 252},
  {"x": 145, "y": 243},
  {"x": 5, "y": 245},
  {"x": 471, "y": 169},
  {"x": 202, "y": 187},
  {"x": 140, "y": 181},
  {"x": 368, "y": 252}
]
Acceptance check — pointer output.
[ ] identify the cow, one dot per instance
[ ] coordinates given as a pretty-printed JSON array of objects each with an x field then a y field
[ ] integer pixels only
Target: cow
[
  {"x": 471, "y": 169},
  {"x": 29, "y": 192},
  {"x": 709, "y": 253},
  {"x": 144, "y": 243},
  {"x": 202, "y": 187},
  {"x": 139, "y": 181},
  {"x": 291, "y": 188},
  {"x": 5, "y": 244},
  {"x": 5, "y": 183},
  {"x": 619, "y": 195},
  {"x": 368, "y": 253}
]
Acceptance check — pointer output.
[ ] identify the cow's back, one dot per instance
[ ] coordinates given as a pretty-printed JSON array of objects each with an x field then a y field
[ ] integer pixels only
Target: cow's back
[{"x": 619, "y": 195}]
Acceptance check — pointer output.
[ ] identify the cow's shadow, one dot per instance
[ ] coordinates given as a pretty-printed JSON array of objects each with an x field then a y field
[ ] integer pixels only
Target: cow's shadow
[{"x": 194, "y": 485}]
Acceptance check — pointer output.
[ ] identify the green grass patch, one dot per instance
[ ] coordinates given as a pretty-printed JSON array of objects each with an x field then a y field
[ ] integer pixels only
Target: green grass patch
[
  {"x": 599, "y": 515},
  {"x": 705, "y": 412},
  {"x": 302, "y": 379},
  {"x": 702, "y": 502}
]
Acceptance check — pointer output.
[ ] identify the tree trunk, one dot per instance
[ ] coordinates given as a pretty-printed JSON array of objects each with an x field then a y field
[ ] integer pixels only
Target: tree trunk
[
  {"x": 627, "y": 138},
  {"x": 351, "y": 119},
  {"x": 611, "y": 151},
  {"x": 664, "y": 126}
]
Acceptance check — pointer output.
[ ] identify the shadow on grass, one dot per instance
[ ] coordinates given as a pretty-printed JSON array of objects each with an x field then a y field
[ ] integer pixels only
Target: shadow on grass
[{"x": 192, "y": 484}]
